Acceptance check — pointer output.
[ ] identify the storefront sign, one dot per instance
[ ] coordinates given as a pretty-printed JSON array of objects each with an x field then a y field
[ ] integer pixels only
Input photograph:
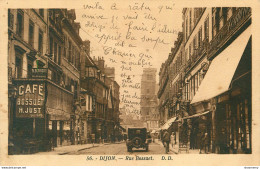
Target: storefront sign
[
  {"x": 39, "y": 73},
  {"x": 30, "y": 100}
]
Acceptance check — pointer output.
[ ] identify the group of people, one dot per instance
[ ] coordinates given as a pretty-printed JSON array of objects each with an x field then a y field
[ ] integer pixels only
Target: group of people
[{"x": 167, "y": 139}]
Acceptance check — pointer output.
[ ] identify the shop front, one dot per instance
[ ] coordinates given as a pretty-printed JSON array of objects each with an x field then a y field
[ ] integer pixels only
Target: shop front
[
  {"x": 42, "y": 116},
  {"x": 227, "y": 87},
  {"x": 29, "y": 118}
]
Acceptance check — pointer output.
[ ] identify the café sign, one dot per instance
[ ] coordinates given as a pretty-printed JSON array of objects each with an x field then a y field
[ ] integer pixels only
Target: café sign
[{"x": 30, "y": 99}]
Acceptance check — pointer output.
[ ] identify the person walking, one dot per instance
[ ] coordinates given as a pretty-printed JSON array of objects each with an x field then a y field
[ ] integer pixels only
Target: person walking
[
  {"x": 223, "y": 142},
  {"x": 93, "y": 138},
  {"x": 172, "y": 139},
  {"x": 206, "y": 142},
  {"x": 201, "y": 142},
  {"x": 166, "y": 141}
]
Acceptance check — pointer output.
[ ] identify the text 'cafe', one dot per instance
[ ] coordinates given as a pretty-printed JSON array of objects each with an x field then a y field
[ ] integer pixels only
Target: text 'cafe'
[
  {"x": 42, "y": 114},
  {"x": 30, "y": 100}
]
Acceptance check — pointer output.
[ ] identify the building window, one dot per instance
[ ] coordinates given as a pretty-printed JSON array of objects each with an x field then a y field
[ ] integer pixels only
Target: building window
[
  {"x": 229, "y": 13},
  {"x": 190, "y": 23},
  {"x": 89, "y": 106},
  {"x": 70, "y": 54},
  {"x": 217, "y": 20},
  {"x": 29, "y": 70},
  {"x": 190, "y": 51},
  {"x": 10, "y": 19},
  {"x": 91, "y": 72},
  {"x": 51, "y": 48},
  {"x": 78, "y": 60},
  {"x": 41, "y": 12},
  {"x": 186, "y": 55},
  {"x": 188, "y": 91},
  {"x": 200, "y": 37},
  {"x": 74, "y": 56},
  {"x": 31, "y": 33},
  {"x": 196, "y": 83},
  {"x": 181, "y": 58},
  {"x": 206, "y": 29},
  {"x": 20, "y": 22},
  {"x": 186, "y": 30},
  {"x": 18, "y": 67},
  {"x": 59, "y": 55},
  {"x": 223, "y": 17},
  {"x": 194, "y": 44},
  {"x": 191, "y": 88},
  {"x": 40, "y": 41},
  {"x": 55, "y": 59},
  {"x": 65, "y": 52}
]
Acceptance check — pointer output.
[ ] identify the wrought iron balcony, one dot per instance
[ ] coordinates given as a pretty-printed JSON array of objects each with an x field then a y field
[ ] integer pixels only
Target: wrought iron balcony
[{"x": 236, "y": 21}]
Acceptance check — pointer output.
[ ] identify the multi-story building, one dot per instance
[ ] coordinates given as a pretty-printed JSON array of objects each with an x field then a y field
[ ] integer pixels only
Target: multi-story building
[
  {"x": 27, "y": 30},
  {"x": 225, "y": 92},
  {"x": 163, "y": 92},
  {"x": 64, "y": 57},
  {"x": 44, "y": 71},
  {"x": 172, "y": 106},
  {"x": 101, "y": 99},
  {"x": 197, "y": 34},
  {"x": 215, "y": 98},
  {"x": 149, "y": 102}
]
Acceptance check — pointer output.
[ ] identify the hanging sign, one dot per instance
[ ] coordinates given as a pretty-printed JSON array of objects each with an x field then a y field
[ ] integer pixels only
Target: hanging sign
[{"x": 39, "y": 73}]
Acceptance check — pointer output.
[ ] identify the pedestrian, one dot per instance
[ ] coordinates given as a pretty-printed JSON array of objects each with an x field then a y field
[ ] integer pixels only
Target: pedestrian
[
  {"x": 93, "y": 137},
  {"x": 206, "y": 142},
  {"x": 201, "y": 142},
  {"x": 223, "y": 142},
  {"x": 166, "y": 141},
  {"x": 172, "y": 139}
]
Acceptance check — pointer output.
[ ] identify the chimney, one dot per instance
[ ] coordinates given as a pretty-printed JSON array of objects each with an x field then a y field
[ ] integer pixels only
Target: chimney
[{"x": 101, "y": 64}]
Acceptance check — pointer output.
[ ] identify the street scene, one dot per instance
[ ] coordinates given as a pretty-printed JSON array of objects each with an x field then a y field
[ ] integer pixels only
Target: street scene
[{"x": 155, "y": 80}]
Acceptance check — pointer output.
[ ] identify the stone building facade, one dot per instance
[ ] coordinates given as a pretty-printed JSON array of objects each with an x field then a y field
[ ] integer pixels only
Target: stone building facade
[
  {"x": 214, "y": 98},
  {"x": 45, "y": 56}
]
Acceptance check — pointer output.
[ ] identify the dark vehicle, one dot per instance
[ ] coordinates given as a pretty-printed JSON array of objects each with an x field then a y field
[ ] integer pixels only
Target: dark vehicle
[{"x": 137, "y": 138}]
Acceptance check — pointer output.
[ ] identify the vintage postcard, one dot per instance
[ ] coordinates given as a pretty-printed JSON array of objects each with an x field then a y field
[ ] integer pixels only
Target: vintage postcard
[{"x": 129, "y": 83}]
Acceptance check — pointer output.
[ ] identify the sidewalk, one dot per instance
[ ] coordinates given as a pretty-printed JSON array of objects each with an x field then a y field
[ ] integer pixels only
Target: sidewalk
[
  {"x": 175, "y": 149},
  {"x": 73, "y": 148}
]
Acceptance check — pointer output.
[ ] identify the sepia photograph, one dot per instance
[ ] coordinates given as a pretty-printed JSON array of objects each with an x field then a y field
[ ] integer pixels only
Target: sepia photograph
[{"x": 115, "y": 81}]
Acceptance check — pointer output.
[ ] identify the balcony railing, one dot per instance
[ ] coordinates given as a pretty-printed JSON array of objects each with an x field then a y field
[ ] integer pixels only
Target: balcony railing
[
  {"x": 197, "y": 54},
  {"x": 227, "y": 31}
]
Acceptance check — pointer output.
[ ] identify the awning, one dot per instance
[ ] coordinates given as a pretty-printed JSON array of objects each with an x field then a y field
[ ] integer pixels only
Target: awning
[
  {"x": 221, "y": 71},
  {"x": 168, "y": 123},
  {"x": 196, "y": 115}
]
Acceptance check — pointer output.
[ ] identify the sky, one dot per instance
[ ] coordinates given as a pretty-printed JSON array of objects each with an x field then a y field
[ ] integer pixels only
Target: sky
[{"x": 130, "y": 36}]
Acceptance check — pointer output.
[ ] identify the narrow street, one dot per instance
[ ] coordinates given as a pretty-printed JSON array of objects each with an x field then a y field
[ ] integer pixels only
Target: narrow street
[{"x": 120, "y": 149}]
